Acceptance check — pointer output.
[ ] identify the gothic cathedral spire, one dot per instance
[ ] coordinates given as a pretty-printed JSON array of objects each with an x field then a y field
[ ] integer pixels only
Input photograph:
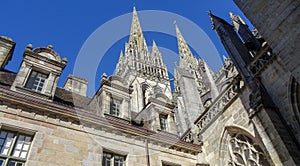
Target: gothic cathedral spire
[
  {"x": 243, "y": 30},
  {"x": 186, "y": 57},
  {"x": 136, "y": 33}
]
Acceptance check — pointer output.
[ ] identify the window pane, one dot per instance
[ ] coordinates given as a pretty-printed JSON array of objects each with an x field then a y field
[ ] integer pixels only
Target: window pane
[
  {"x": 21, "y": 147},
  {"x": 119, "y": 160},
  {"x": 106, "y": 161},
  {"x": 7, "y": 143},
  {"x": 3, "y": 134},
  {"x": 1, "y": 162},
  {"x": 28, "y": 139},
  {"x": 25, "y": 147},
  {"x": 163, "y": 122},
  {"x": 36, "y": 81},
  {"x": 16, "y": 153},
  {"x": 23, "y": 154},
  {"x": 15, "y": 163}
]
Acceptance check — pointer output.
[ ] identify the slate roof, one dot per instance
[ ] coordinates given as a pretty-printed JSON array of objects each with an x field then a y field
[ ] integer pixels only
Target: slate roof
[{"x": 62, "y": 96}]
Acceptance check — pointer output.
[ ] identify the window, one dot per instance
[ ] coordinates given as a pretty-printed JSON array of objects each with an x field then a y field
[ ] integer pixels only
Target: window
[
  {"x": 163, "y": 122},
  {"x": 115, "y": 107},
  {"x": 36, "y": 81},
  {"x": 166, "y": 163},
  {"x": 244, "y": 151},
  {"x": 14, "y": 148},
  {"x": 110, "y": 159}
]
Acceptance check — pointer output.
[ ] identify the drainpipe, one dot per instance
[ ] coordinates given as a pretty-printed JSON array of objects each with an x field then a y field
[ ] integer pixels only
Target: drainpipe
[{"x": 147, "y": 153}]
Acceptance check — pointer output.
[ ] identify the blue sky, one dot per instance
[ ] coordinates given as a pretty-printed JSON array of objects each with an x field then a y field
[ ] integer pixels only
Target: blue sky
[{"x": 68, "y": 24}]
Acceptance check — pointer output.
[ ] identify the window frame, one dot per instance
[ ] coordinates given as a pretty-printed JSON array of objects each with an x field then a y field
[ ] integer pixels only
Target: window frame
[
  {"x": 112, "y": 159},
  {"x": 163, "y": 126},
  {"x": 167, "y": 163},
  {"x": 30, "y": 85},
  {"x": 115, "y": 107},
  {"x": 9, "y": 156}
]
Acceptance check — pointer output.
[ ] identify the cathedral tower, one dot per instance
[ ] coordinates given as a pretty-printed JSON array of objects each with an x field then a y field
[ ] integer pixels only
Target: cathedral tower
[
  {"x": 194, "y": 84},
  {"x": 145, "y": 71}
]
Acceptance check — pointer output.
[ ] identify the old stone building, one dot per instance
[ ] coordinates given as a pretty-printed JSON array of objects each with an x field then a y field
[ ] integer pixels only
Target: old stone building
[{"x": 247, "y": 113}]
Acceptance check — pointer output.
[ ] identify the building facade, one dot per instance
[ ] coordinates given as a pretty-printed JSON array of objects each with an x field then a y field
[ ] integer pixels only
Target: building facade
[{"x": 247, "y": 113}]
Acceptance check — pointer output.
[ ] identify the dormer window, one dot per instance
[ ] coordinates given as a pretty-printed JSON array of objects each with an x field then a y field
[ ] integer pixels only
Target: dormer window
[
  {"x": 115, "y": 108},
  {"x": 36, "y": 81},
  {"x": 163, "y": 122}
]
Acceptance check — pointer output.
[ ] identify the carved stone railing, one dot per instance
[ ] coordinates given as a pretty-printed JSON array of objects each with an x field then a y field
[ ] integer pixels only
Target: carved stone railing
[
  {"x": 211, "y": 113},
  {"x": 260, "y": 60},
  {"x": 219, "y": 72}
]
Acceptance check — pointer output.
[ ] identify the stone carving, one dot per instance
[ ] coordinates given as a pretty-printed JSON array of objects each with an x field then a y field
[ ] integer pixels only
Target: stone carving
[
  {"x": 243, "y": 151},
  {"x": 260, "y": 60},
  {"x": 212, "y": 112}
]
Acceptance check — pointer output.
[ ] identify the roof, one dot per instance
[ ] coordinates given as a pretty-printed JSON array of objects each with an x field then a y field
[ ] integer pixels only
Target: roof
[{"x": 62, "y": 96}]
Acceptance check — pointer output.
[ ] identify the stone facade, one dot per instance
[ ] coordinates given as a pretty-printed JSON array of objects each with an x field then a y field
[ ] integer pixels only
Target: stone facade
[{"x": 247, "y": 113}]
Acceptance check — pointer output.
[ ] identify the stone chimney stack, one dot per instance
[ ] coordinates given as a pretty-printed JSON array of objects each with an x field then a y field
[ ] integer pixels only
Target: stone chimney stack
[
  {"x": 76, "y": 85},
  {"x": 7, "y": 47}
]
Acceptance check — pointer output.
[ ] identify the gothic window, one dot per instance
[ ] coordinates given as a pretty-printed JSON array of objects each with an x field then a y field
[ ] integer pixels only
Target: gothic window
[
  {"x": 295, "y": 99},
  {"x": 111, "y": 159},
  {"x": 36, "y": 81},
  {"x": 243, "y": 151},
  {"x": 163, "y": 122},
  {"x": 14, "y": 147},
  {"x": 115, "y": 107},
  {"x": 146, "y": 92}
]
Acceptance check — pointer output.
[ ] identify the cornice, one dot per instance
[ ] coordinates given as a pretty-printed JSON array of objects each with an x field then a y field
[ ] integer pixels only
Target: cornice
[{"x": 91, "y": 119}]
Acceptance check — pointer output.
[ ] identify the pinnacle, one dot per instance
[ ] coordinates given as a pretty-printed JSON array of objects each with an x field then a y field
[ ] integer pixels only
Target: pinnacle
[
  {"x": 154, "y": 47},
  {"x": 136, "y": 33},
  {"x": 121, "y": 56},
  {"x": 183, "y": 47},
  {"x": 236, "y": 18},
  {"x": 216, "y": 20},
  {"x": 185, "y": 54}
]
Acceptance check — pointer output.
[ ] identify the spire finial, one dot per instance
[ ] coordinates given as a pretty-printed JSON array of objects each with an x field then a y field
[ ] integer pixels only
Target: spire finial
[
  {"x": 121, "y": 56},
  {"x": 136, "y": 33},
  {"x": 185, "y": 53}
]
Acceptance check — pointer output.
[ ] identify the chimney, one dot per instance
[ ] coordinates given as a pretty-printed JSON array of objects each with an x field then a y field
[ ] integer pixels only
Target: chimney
[
  {"x": 76, "y": 85},
  {"x": 7, "y": 47}
]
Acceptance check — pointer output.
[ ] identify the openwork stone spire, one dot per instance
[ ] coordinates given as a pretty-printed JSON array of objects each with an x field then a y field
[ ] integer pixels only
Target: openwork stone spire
[
  {"x": 138, "y": 60},
  {"x": 186, "y": 57},
  {"x": 136, "y": 33},
  {"x": 243, "y": 30}
]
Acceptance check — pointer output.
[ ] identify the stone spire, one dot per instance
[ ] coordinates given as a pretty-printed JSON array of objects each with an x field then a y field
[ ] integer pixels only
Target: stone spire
[
  {"x": 121, "y": 57},
  {"x": 236, "y": 49},
  {"x": 186, "y": 56},
  {"x": 136, "y": 33},
  {"x": 120, "y": 65},
  {"x": 154, "y": 49},
  {"x": 242, "y": 28},
  {"x": 138, "y": 61}
]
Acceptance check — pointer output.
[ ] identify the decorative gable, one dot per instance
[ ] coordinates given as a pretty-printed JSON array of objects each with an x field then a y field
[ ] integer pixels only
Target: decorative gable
[{"x": 39, "y": 72}]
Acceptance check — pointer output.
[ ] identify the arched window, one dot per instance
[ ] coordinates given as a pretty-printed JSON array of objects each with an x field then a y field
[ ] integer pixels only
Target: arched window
[
  {"x": 295, "y": 98},
  {"x": 241, "y": 149},
  {"x": 146, "y": 90}
]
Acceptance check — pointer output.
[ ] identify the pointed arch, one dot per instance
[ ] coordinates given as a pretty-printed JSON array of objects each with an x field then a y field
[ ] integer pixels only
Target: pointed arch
[
  {"x": 146, "y": 92},
  {"x": 239, "y": 147},
  {"x": 294, "y": 99}
]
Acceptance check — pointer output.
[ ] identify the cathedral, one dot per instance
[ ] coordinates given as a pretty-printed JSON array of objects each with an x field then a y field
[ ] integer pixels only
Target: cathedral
[{"x": 246, "y": 113}]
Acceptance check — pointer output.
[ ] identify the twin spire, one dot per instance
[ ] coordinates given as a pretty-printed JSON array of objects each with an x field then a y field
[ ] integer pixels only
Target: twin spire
[
  {"x": 136, "y": 33},
  {"x": 185, "y": 54},
  {"x": 136, "y": 48}
]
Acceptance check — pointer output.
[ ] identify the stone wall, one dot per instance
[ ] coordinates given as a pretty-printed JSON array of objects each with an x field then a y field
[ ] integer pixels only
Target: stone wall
[
  {"x": 58, "y": 142},
  {"x": 278, "y": 22},
  {"x": 235, "y": 120}
]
